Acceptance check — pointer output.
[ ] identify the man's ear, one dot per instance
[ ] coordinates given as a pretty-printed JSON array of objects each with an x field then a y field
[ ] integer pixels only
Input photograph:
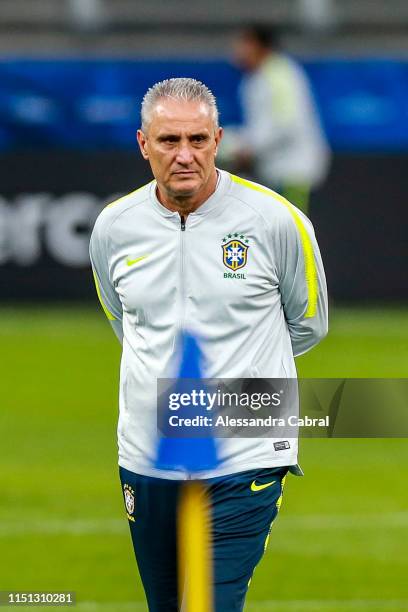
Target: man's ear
[
  {"x": 142, "y": 140},
  {"x": 218, "y": 137}
]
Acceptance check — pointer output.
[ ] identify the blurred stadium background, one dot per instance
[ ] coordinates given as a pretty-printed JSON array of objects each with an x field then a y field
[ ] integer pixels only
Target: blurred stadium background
[{"x": 72, "y": 75}]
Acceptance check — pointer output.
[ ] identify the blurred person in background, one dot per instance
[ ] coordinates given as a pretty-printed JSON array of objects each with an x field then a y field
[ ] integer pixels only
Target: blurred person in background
[{"x": 281, "y": 142}]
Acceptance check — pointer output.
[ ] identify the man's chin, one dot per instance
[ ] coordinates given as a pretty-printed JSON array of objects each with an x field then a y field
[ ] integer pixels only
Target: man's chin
[{"x": 184, "y": 188}]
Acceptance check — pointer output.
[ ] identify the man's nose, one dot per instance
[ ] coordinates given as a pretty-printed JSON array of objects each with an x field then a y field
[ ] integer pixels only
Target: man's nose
[{"x": 184, "y": 154}]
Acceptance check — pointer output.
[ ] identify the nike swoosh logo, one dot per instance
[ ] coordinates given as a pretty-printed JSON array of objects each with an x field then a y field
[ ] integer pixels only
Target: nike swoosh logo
[
  {"x": 131, "y": 262},
  {"x": 261, "y": 487}
]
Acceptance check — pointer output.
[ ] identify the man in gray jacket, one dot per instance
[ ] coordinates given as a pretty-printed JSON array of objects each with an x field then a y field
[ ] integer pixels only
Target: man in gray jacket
[{"x": 238, "y": 266}]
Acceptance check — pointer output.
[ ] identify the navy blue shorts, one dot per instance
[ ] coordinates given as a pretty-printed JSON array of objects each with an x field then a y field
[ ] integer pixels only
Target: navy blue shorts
[{"x": 243, "y": 507}]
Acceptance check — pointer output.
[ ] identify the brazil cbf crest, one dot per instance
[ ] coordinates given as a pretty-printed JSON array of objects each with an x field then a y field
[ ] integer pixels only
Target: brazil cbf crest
[
  {"x": 235, "y": 251},
  {"x": 129, "y": 501}
]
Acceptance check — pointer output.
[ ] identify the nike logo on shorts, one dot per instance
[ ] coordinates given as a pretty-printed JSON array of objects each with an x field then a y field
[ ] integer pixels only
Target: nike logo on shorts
[{"x": 261, "y": 487}]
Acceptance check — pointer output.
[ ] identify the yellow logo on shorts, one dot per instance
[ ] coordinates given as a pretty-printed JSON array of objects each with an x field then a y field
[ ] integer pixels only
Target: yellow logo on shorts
[{"x": 261, "y": 487}]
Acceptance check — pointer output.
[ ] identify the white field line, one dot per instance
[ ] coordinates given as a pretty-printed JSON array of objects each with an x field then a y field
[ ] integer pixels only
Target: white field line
[
  {"x": 318, "y": 605},
  {"x": 345, "y": 521},
  {"x": 312, "y": 522},
  {"x": 63, "y": 526},
  {"x": 89, "y": 606},
  {"x": 273, "y": 605}
]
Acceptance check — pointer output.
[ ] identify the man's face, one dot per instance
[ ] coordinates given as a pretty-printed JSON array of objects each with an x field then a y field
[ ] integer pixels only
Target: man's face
[{"x": 181, "y": 143}]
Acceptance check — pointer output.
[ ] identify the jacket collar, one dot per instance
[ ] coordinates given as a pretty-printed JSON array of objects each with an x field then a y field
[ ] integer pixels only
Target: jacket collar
[{"x": 206, "y": 208}]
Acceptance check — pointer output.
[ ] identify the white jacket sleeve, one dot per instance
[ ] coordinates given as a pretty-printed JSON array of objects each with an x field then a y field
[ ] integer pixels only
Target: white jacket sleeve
[
  {"x": 302, "y": 282},
  {"x": 107, "y": 295}
]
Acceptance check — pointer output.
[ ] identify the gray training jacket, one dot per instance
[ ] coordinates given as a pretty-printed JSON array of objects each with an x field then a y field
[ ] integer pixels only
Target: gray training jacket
[{"x": 244, "y": 274}]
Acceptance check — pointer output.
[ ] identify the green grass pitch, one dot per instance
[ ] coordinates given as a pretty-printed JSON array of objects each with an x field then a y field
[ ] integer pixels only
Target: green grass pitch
[{"x": 339, "y": 544}]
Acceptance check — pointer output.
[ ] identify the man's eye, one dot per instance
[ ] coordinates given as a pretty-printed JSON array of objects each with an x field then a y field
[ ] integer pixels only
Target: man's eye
[{"x": 198, "y": 138}]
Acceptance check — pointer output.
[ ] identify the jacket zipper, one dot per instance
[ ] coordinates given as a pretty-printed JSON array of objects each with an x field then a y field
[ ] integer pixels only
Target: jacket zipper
[
  {"x": 182, "y": 272},
  {"x": 182, "y": 290}
]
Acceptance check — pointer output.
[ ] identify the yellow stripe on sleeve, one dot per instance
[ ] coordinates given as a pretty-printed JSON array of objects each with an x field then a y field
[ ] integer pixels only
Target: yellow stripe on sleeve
[
  {"x": 307, "y": 248},
  {"x": 98, "y": 291}
]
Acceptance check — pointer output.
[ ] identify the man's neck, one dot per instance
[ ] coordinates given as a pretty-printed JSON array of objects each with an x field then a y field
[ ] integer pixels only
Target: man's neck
[{"x": 185, "y": 205}]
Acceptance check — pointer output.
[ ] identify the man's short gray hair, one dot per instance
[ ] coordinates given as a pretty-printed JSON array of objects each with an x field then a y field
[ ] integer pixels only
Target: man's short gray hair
[{"x": 177, "y": 89}]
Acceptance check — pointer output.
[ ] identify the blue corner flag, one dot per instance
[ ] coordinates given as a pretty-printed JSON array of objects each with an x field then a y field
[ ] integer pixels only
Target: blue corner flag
[{"x": 186, "y": 453}]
